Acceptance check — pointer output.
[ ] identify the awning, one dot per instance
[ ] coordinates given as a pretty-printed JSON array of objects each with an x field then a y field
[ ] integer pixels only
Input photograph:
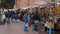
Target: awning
[
  {"x": 11, "y": 9},
  {"x": 41, "y": 2},
  {"x": 35, "y": 5},
  {"x": 25, "y": 7}
]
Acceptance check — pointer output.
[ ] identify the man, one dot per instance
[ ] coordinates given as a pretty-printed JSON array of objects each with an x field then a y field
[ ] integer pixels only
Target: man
[
  {"x": 8, "y": 15},
  {"x": 36, "y": 21}
]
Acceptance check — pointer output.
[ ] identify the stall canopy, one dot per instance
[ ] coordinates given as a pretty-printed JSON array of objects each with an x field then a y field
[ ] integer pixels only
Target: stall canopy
[
  {"x": 25, "y": 7},
  {"x": 40, "y": 3},
  {"x": 36, "y": 4}
]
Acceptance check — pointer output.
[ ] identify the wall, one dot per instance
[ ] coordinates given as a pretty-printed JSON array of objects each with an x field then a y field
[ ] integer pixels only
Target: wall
[{"x": 23, "y": 3}]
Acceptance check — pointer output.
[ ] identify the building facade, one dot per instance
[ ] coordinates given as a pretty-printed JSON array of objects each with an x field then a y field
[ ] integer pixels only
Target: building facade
[{"x": 23, "y": 3}]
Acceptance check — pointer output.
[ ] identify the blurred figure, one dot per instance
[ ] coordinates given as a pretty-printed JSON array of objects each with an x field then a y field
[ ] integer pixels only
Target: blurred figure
[
  {"x": 25, "y": 20},
  {"x": 8, "y": 15},
  {"x": 36, "y": 21},
  {"x": 21, "y": 15},
  {"x": 12, "y": 15},
  {"x": 32, "y": 20},
  {"x": 3, "y": 18},
  {"x": 29, "y": 19},
  {"x": 16, "y": 16}
]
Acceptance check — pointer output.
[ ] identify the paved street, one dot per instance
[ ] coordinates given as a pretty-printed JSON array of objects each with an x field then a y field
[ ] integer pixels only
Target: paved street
[{"x": 15, "y": 28}]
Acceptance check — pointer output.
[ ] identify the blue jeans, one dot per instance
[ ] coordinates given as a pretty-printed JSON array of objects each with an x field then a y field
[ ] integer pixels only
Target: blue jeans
[
  {"x": 50, "y": 31},
  {"x": 8, "y": 20},
  {"x": 25, "y": 26},
  {"x": 36, "y": 27}
]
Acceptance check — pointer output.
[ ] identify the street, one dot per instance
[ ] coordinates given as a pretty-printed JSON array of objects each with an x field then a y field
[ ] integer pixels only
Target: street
[{"x": 15, "y": 28}]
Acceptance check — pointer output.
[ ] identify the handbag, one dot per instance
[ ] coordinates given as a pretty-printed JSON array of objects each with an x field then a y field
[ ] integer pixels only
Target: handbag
[{"x": 29, "y": 24}]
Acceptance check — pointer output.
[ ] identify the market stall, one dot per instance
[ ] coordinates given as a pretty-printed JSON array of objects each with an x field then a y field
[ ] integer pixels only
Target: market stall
[
  {"x": 57, "y": 11},
  {"x": 42, "y": 10}
]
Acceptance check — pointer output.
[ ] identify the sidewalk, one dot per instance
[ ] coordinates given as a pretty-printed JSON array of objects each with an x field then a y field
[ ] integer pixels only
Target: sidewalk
[{"x": 15, "y": 28}]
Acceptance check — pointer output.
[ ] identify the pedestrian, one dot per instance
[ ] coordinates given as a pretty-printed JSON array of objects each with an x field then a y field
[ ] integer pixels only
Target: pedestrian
[
  {"x": 21, "y": 15},
  {"x": 8, "y": 16},
  {"x": 11, "y": 13},
  {"x": 25, "y": 26},
  {"x": 36, "y": 22},
  {"x": 3, "y": 18},
  {"x": 12, "y": 16},
  {"x": 25, "y": 20},
  {"x": 49, "y": 27},
  {"x": 29, "y": 19},
  {"x": 16, "y": 16},
  {"x": 32, "y": 20}
]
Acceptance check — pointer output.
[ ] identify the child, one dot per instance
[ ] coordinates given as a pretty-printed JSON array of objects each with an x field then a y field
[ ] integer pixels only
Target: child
[{"x": 25, "y": 26}]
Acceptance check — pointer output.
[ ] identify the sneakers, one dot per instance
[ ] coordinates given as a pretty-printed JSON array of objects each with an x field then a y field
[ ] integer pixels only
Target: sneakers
[
  {"x": 35, "y": 31},
  {"x": 25, "y": 30}
]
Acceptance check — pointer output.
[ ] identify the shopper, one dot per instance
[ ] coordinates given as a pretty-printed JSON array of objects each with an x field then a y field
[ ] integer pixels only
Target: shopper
[
  {"x": 8, "y": 15},
  {"x": 21, "y": 15},
  {"x": 12, "y": 16},
  {"x": 3, "y": 18},
  {"x": 36, "y": 21},
  {"x": 29, "y": 19},
  {"x": 32, "y": 20},
  {"x": 49, "y": 27},
  {"x": 25, "y": 20},
  {"x": 16, "y": 16}
]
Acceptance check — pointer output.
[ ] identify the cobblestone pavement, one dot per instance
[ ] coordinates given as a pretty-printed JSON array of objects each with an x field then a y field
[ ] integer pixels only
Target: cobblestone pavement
[{"x": 15, "y": 28}]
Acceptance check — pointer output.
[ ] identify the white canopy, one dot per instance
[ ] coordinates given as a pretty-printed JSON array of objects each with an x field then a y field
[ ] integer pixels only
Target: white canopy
[
  {"x": 41, "y": 2},
  {"x": 11, "y": 9},
  {"x": 25, "y": 7},
  {"x": 36, "y": 4}
]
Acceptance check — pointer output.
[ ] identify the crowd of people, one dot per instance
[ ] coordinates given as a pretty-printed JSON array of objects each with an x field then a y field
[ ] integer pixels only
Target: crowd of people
[{"x": 30, "y": 19}]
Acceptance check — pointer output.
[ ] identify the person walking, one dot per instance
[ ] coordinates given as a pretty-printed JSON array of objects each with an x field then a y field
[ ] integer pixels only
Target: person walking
[
  {"x": 12, "y": 16},
  {"x": 36, "y": 21},
  {"x": 16, "y": 16},
  {"x": 8, "y": 15},
  {"x": 25, "y": 21},
  {"x": 3, "y": 18},
  {"x": 29, "y": 19},
  {"x": 32, "y": 20}
]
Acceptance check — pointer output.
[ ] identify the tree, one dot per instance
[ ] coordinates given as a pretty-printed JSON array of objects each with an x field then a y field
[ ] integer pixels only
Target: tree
[
  {"x": 8, "y": 3},
  {"x": 1, "y": 3}
]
